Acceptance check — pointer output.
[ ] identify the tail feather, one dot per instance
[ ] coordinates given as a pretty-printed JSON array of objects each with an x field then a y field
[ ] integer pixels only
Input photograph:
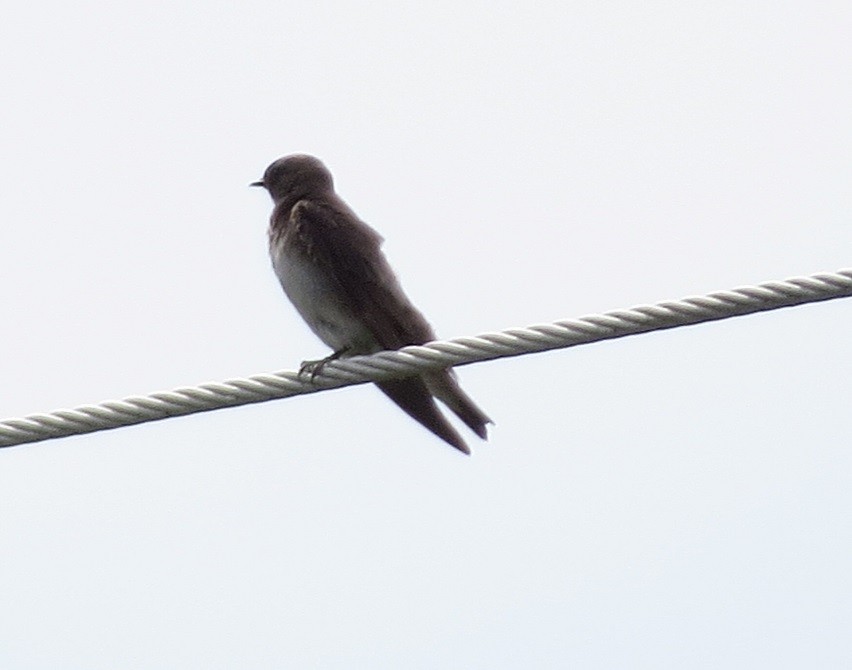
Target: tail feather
[
  {"x": 413, "y": 396},
  {"x": 443, "y": 385}
]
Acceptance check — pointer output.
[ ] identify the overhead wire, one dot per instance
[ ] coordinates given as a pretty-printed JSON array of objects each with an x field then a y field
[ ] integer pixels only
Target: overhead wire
[{"x": 434, "y": 355}]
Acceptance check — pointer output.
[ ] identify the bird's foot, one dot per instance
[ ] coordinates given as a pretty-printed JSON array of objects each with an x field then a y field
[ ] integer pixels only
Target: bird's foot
[{"x": 313, "y": 368}]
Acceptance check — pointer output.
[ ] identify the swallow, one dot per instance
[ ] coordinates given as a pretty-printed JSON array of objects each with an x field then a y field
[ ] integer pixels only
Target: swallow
[{"x": 331, "y": 267}]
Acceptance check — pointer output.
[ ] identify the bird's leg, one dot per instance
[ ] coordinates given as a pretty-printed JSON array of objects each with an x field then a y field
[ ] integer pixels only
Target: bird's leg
[{"x": 315, "y": 367}]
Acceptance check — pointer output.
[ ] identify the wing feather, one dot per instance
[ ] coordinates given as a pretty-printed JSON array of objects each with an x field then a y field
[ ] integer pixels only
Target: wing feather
[{"x": 351, "y": 253}]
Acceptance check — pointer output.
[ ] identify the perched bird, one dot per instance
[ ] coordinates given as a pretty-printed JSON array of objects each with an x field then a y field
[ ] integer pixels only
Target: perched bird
[{"x": 332, "y": 269}]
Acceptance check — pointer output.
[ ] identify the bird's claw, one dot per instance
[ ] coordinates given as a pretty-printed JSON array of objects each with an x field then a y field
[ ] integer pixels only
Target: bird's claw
[{"x": 313, "y": 368}]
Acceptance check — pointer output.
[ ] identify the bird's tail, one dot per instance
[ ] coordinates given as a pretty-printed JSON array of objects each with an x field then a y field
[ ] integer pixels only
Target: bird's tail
[
  {"x": 412, "y": 395},
  {"x": 444, "y": 386}
]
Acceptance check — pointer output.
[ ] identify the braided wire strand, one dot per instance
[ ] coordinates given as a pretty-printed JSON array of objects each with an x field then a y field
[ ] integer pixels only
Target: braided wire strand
[{"x": 434, "y": 355}]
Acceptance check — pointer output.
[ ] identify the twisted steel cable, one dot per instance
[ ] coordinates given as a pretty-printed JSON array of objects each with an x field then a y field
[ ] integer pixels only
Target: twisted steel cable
[{"x": 438, "y": 354}]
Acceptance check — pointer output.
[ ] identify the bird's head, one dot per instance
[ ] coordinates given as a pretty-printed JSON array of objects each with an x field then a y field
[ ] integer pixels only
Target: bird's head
[{"x": 298, "y": 175}]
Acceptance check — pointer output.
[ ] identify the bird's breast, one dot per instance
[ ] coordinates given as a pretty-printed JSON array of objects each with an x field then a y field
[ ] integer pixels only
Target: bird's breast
[{"x": 319, "y": 300}]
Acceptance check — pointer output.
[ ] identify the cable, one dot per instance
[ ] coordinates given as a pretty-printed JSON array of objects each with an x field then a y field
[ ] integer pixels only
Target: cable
[{"x": 438, "y": 354}]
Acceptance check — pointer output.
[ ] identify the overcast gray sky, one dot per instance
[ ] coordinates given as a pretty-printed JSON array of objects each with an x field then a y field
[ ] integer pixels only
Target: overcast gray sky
[{"x": 678, "y": 499}]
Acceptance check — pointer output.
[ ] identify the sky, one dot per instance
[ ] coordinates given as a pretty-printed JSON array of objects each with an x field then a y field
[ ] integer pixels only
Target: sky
[{"x": 676, "y": 499}]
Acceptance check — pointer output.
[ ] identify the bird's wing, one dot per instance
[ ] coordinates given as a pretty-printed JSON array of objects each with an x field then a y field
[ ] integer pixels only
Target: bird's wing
[{"x": 351, "y": 253}]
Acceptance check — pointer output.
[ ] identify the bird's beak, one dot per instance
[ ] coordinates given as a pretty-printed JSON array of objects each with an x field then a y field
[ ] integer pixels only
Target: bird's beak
[{"x": 257, "y": 183}]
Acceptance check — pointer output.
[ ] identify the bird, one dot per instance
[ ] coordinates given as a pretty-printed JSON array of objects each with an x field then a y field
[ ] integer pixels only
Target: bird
[{"x": 332, "y": 268}]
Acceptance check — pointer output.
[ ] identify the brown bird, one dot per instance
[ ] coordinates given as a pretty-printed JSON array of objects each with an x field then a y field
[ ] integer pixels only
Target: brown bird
[{"x": 331, "y": 266}]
